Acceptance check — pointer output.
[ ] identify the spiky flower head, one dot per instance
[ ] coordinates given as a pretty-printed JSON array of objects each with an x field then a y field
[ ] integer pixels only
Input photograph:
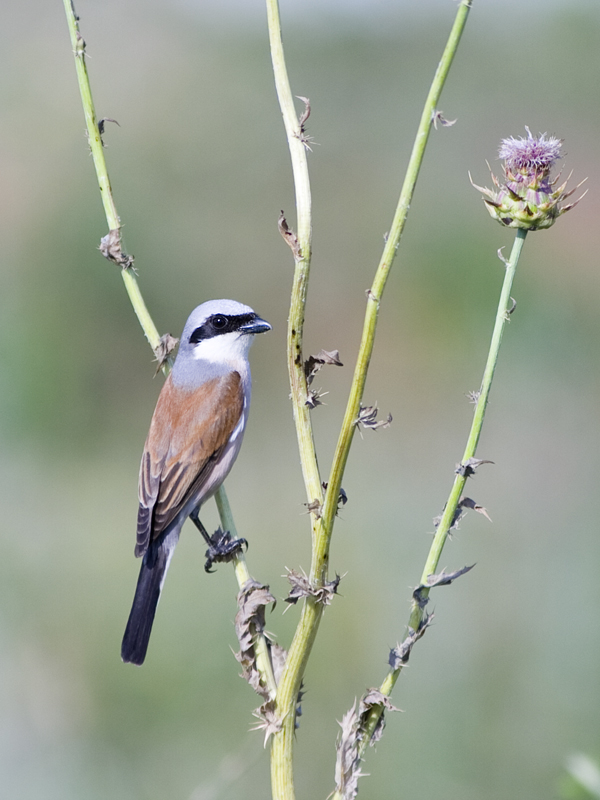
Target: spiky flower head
[{"x": 527, "y": 198}]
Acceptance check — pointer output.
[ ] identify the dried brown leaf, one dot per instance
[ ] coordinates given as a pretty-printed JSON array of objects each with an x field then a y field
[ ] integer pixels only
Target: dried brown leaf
[
  {"x": 314, "y": 363},
  {"x": 342, "y": 497},
  {"x": 467, "y": 502},
  {"x": 101, "y": 123},
  {"x": 306, "y": 113},
  {"x": 470, "y": 465},
  {"x": 302, "y": 135},
  {"x": 313, "y": 398},
  {"x": 302, "y": 587},
  {"x": 373, "y": 697},
  {"x": 289, "y": 236},
  {"x": 437, "y": 117},
  {"x": 250, "y": 620},
  {"x": 367, "y": 417},
  {"x": 347, "y": 762},
  {"x": 315, "y": 508},
  {"x": 401, "y": 653},
  {"x": 111, "y": 248},
  {"x": 165, "y": 347},
  {"x": 463, "y": 503},
  {"x": 267, "y": 720},
  {"x": 278, "y": 658},
  {"x": 445, "y": 578},
  {"x": 421, "y": 593}
]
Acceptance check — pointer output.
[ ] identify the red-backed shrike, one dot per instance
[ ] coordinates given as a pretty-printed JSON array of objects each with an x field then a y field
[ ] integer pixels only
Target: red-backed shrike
[{"x": 194, "y": 438}]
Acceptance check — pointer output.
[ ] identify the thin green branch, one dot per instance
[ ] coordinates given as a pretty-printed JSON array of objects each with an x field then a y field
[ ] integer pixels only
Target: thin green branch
[
  {"x": 137, "y": 301},
  {"x": 448, "y": 517},
  {"x": 375, "y": 293},
  {"x": 97, "y": 149}
]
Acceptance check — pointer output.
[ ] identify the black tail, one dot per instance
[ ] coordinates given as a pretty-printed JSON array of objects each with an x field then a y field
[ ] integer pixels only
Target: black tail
[{"x": 152, "y": 574}]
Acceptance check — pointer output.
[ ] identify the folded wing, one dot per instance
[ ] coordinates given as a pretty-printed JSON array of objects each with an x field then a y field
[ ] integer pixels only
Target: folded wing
[{"x": 188, "y": 433}]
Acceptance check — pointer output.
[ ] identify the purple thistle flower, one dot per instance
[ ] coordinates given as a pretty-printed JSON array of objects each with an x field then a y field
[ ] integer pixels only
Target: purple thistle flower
[
  {"x": 527, "y": 198},
  {"x": 530, "y": 153}
]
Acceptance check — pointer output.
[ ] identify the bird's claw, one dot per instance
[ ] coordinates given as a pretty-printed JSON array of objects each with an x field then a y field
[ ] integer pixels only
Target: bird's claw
[{"x": 222, "y": 548}]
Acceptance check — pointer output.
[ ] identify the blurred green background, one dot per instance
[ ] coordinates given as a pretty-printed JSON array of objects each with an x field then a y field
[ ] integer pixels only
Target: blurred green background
[{"x": 505, "y": 686}]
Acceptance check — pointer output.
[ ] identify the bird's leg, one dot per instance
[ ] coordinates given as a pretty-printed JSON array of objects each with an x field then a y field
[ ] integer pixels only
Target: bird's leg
[
  {"x": 221, "y": 547},
  {"x": 196, "y": 520}
]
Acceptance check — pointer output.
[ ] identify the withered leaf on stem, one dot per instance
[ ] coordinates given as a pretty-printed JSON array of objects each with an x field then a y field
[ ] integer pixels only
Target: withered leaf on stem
[
  {"x": 353, "y": 725},
  {"x": 342, "y": 497},
  {"x": 278, "y": 658},
  {"x": 306, "y": 113},
  {"x": 315, "y": 508},
  {"x": 313, "y": 398},
  {"x": 301, "y": 694},
  {"x": 467, "y": 502},
  {"x": 101, "y": 123},
  {"x": 347, "y": 762},
  {"x": 302, "y": 135},
  {"x": 401, "y": 653},
  {"x": 445, "y": 578},
  {"x": 437, "y": 116},
  {"x": 470, "y": 465},
  {"x": 373, "y": 697},
  {"x": 166, "y": 345},
  {"x": 289, "y": 236},
  {"x": 367, "y": 417},
  {"x": 301, "y": 587},
  {"x": 252, "y": 600},
  {"x": 464, "y": 502},
  {"x": 314, "y": 363},
  {"x": 421, "y": 593},
  {"x": 267, "y": 720},
  {"x": 111, "y": 248},
  {"x": 499, "y": 252},
  {"x": 81, "y": 45}
]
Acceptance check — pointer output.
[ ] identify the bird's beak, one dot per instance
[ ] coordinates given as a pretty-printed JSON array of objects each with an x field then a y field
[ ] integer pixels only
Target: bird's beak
[{"x": 257, "y": 325}]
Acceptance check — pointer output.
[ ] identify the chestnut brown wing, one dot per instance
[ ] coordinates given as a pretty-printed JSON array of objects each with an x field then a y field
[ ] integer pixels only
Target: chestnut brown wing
[{"x": 188, "y": 432}]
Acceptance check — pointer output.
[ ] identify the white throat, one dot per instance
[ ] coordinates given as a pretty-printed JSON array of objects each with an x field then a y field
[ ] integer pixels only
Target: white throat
[{"x": 228, "y": 348}]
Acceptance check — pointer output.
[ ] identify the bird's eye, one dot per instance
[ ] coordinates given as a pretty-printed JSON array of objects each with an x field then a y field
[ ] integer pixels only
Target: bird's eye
[{"x": 220, "y": 322}]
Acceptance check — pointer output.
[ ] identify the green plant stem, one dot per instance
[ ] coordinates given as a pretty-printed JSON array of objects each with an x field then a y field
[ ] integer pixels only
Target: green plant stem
[
  {"x": 441, "y": 535},
  {"x": 282, "y": 746},
  {"x": 297, "y": 150},
  {"x": 374, "y": 295},
  {"x": 139, "y": 306},
  {"x": 96, "y": 147},
  {"x": 282, "y": 779}
]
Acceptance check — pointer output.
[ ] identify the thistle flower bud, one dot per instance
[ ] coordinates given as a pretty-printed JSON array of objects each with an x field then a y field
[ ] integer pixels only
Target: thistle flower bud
[{"x": 527, "y": 198}]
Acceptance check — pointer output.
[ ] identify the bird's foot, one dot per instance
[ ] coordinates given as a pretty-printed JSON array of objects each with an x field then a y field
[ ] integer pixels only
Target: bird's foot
[{"x": 222, "y": 548}]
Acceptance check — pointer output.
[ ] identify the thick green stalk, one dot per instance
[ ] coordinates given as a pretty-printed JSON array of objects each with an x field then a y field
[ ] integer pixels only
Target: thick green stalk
[
  {"x": 435, "y": 551},
  {"x": 281, "y": 752},
  {"x": 282, "y": 779},
  {"x": 297, "y": 149}
]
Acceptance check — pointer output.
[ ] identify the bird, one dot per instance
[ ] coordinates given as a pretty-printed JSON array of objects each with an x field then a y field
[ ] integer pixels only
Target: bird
[{"x": 194, "y": 438}]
